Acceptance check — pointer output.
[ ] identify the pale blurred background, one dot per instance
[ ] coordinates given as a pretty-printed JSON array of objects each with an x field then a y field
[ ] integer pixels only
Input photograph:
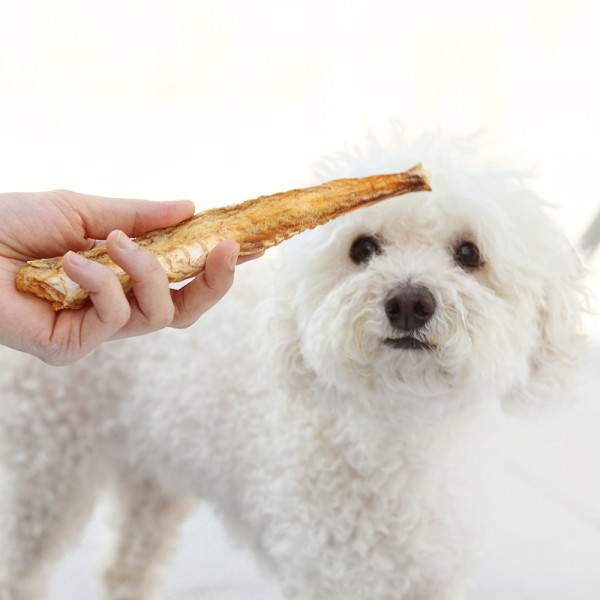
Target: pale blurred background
[{"x": 220, "y": 101}]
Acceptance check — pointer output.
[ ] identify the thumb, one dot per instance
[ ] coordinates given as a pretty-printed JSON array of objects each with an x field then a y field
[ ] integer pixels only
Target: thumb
[{"x": 101, "y": 215}]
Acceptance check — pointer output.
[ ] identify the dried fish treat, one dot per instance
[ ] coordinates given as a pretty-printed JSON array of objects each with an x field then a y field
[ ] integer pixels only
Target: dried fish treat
[{"x": 255, "y": 225}]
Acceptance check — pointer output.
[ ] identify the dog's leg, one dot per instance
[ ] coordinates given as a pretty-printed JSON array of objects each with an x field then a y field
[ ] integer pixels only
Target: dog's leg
[
  {"x": 42, "y": 511},
  {"x": 145, "y": 523}
]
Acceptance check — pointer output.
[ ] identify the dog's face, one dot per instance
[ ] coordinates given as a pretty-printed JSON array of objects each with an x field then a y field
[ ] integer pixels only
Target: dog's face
[{"x": 467, "y": 291}]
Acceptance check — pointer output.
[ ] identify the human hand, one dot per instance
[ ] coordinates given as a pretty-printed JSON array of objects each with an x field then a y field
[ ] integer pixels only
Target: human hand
[{"x": 49, "y": 224}]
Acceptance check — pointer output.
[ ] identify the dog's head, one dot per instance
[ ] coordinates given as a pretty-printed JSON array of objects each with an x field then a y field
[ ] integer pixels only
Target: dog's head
[{"x": 467, "y": 291}]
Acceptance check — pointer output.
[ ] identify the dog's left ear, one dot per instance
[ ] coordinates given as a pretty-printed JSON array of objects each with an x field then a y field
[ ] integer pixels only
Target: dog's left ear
[{"x": 554, "y": 360}]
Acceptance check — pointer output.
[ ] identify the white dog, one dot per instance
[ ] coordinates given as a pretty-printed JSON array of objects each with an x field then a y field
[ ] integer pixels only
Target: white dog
[{"x": 331, "y": 406}]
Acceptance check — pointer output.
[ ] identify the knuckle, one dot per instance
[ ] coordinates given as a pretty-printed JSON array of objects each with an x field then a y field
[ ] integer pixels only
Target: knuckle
[
  {"x": 105, "y": 278},
  {"x": 219, "y": 284},
  {"x": 147, "y": 265},
  {"x": 165, "y": 317},
  {"x": 57, "y": 354},
  {"x": 158, "y": 318},
  {"x": 63, "y": 194},
  {"x": 53, "y": 356},
  {"x": 116, "y": 316},
  {"x": 123, "y": 315},
  {"x": 183, "y": 323}
]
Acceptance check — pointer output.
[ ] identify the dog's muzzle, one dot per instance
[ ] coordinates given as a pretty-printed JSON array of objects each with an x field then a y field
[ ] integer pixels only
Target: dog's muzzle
[{"x": 408, "y": 309}]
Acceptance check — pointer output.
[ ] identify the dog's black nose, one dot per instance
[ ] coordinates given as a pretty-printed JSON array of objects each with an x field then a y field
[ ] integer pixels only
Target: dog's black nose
[{"x": 409, "y": 308}]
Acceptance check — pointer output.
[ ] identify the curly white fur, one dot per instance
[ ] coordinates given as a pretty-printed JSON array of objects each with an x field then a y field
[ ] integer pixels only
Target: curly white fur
[{"x": 347, "y": 464}]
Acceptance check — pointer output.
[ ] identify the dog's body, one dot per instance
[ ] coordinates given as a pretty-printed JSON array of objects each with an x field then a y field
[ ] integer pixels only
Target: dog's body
[{"x": 332, "y": 406}]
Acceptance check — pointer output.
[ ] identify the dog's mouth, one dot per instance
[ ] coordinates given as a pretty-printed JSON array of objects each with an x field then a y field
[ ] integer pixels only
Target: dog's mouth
[{"x": 407, "y": 343}]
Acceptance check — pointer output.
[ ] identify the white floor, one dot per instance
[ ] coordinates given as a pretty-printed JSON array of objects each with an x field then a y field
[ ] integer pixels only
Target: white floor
[{"x": 545, "y": 545}]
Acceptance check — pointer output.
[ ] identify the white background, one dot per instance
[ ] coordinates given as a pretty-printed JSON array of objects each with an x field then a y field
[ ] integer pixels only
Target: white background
[
  {"x": 220, "y": 99},
  {"x": 223, "y": 100}
]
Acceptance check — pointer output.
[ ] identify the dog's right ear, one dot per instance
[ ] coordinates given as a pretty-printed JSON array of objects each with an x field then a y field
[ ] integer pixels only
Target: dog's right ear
[{"x": 553, "y": 362}]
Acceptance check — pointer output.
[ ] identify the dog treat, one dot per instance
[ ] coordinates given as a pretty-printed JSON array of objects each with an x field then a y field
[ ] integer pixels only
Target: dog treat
[{"x": 255, "y": 225}]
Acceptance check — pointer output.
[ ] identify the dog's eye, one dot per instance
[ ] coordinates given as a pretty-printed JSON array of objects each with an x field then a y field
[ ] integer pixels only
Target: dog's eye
[
  {"x": 467, "y": 255},
  {"x": 363, "y": 249}
]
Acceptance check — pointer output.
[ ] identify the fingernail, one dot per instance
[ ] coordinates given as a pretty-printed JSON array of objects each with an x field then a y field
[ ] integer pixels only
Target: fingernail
[
  {"x": 124, "y": 242},
  {"x": 233, "y": 258},
  {"x": 75, "y": 259}
]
